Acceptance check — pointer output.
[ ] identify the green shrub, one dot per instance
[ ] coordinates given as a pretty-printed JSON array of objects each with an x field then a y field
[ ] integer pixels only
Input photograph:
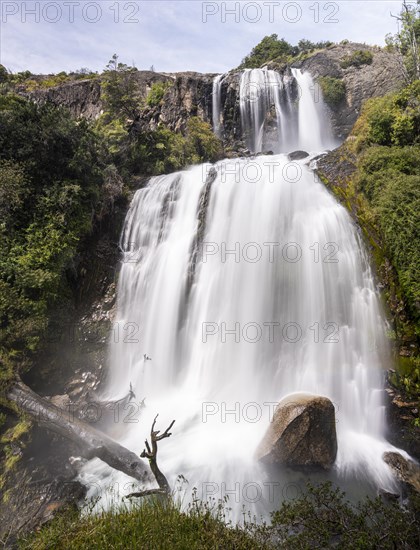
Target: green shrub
[
  {"x": 157, "y": 92},
  {"x": 389, "y": 177},
  {"x": 333, "y": 90},
  {"x": 357, "y": 59},
  {"x": 270, "y": 47},
  {"x": 390, "y": 120}
]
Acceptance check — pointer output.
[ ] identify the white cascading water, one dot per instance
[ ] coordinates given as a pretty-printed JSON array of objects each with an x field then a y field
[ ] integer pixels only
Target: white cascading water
[
  {"x": 216, "y": 105},
  {"x": 271, "y": 120},
  {"x": 279, "y": 299}
]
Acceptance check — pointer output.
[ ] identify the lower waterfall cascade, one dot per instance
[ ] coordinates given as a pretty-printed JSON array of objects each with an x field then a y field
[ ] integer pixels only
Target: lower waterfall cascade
[{"x": 243, "y": 282}]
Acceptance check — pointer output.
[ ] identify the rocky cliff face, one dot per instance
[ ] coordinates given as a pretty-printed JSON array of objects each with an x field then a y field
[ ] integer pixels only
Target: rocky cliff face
[{"x": 190, "y": 94}]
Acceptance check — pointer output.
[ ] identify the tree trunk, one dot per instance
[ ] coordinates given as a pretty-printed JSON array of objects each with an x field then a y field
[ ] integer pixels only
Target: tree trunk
[{"x": 92, "y": 442}]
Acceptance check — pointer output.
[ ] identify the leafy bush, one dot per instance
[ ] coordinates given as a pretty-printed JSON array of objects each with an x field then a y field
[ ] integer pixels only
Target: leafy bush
[
  {"x": 162, "y": 150},
  {"x": 333, "y": 90},
  {"x": 357, "y": 59},
  {"x": 270, "y": 48},
  {"x": 156, "y": 93},
  {"x": 390, "y": 120}
]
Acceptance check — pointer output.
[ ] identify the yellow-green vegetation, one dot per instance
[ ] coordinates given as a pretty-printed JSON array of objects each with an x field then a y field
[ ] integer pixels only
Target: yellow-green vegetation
[
  {"x": 333, "y": 90},
  {"x": 157, "y": 92},
  {"x": 357, "y": 59},
  {"x": 321, "y": 518},
  {"x": 31, "y": 82},
  {"x": 11, "y": 457},
  {"x": 16, "y": 432}
]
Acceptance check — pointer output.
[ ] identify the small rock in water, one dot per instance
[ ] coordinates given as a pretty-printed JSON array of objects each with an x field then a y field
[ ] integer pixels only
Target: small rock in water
[
  {"x": 298, "y": 155},
  {"x": 301, "y": 434}
]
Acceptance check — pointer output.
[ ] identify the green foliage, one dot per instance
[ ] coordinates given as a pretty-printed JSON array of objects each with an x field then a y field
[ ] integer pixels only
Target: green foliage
[
  {"x": 357, "y": 59},
  {"x": 270, "y": 48},
  {"x": 162, "y": 151},
  {"x": 120, "y": 91},
  {"x": 390, "y": 120},
  {"x": 4, "y": 75},
  {"x": 333, "y": 90},
  {"x": 389, "y": 177},
  {"x": 407, "y": 39},
  {"x": 203, "y": 142},
  {"x": 157, "y": 92},
  {"x": 322, "y": 518},
  {"x": 398, "y": 212},
  {"x": 51, "y": 175},
  {"x": 308, "y": 46}
]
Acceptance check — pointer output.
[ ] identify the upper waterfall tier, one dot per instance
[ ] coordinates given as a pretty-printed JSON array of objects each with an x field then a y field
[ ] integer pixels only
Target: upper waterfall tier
[{"x": 278, "y": 112}]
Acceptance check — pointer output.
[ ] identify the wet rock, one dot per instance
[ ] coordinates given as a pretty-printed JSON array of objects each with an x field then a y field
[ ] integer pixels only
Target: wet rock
[
  {"x": 406, "y": 470},
  {"x": 298, "y": 155},
  {"x": 302, "y": 433}
]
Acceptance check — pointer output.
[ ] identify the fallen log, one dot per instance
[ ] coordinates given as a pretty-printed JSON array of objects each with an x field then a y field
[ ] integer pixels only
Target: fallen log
[{"x": 91, "y": 442}]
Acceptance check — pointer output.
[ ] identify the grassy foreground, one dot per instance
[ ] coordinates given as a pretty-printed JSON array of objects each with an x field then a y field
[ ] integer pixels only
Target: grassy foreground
[{"x": 321, "y": 518}]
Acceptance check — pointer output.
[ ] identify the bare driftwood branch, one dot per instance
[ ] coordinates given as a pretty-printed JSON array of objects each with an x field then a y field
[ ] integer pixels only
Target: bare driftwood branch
[
  {"x": 150, "y": 452},
  {"x": 91, "y": 442}
]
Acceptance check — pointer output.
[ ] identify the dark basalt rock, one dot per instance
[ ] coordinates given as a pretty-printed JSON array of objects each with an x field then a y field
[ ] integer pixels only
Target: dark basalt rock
[{"x": 298, "y": 155}]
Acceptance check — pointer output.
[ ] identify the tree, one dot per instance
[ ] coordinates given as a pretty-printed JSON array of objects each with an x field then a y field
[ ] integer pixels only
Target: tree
[
  {"x": 407, "y": 39},
  {"x": 120, "y": 90},
  {"x": 270, "y": 48},
  {"x": 3, "y": 74}
]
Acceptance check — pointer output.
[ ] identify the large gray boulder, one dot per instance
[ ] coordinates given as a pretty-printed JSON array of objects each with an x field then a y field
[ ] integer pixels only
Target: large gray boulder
[{"x": 302, "y": 433}]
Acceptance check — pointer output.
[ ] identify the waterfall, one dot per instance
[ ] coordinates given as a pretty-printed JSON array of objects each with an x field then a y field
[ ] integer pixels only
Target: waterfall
[
  {"x": 245, "y": 282},
  {"x": 275, "y": 117},
  {"x": 217, "y": 106},
  {"x": 313, "y": 132}
]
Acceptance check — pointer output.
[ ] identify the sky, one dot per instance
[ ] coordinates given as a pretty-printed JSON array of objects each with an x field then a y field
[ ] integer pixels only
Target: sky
[{"x": 49, "y": 36}]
